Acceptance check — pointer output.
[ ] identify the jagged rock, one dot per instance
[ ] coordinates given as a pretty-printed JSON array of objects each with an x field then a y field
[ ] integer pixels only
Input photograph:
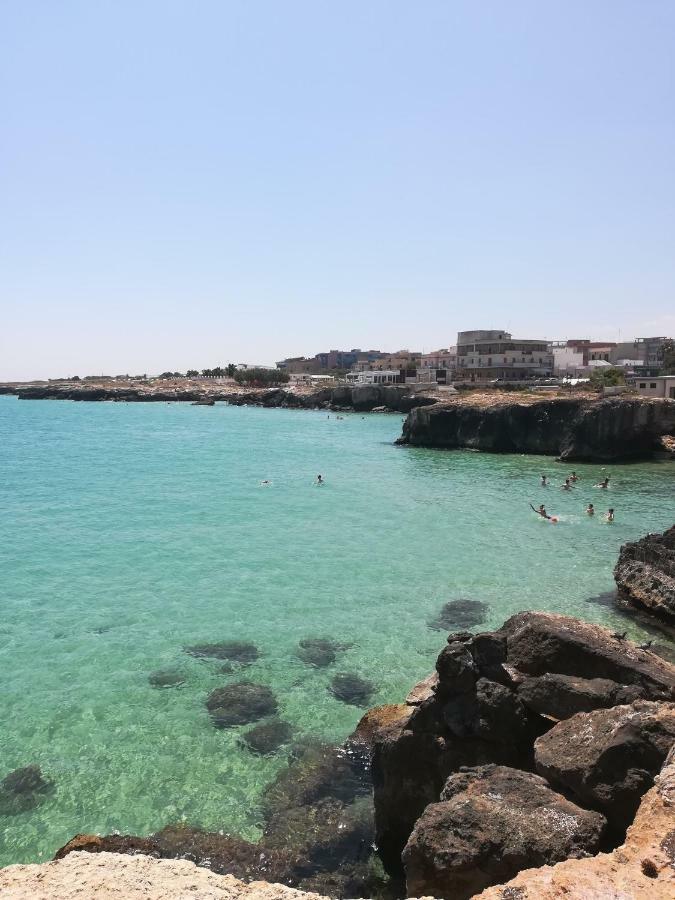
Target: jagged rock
[
  {"x": 492, "y": 822},
  {"x": 477, "y": 715},
  {"x": 541, "y": 643},
  {"x": 241, "y": 652},
  {"x": 607, "y": 759},
  {"x": 22, "y": 790},
  {"x": 460, "y": 614},
  {"x": 267, "y": 737},
  {"x": 645, "y": 574},
  {"x": 562, "y": 696},
  {"x": 240, "y": 703},
  {"x": 423, "y": 690},
  {"x": 643, "y": 867},
  {"x": 595, "y": 430},
  {"x": 352, "y": 689}
]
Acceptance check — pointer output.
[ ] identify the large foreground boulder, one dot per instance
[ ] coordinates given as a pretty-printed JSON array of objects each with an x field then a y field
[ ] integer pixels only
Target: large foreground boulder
[
  {"x": 494, "y": 695},
  {"x": 643, "y": 867},
  {"x": 645, "y": 574},
  {"x": 492, "y": 822},
  {"x": 607, "y": 759}
]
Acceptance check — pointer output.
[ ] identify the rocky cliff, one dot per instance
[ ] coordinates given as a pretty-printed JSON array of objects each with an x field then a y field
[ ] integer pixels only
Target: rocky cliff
[
  {"x": 574, "y": 428},
  {"x": 645, "y": 574}
]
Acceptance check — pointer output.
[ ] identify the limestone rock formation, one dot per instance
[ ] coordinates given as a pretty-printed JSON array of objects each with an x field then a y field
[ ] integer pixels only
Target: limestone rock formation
[
  {"x": 607, "y": 759},
  {"x": 492, "y": 822},
  {"x": 643, "y": 867},
  {"x": 602, "y": 430},
  {"x": 645, "y": 574},
  {"x": 114, "y": 876},
  {"x": 489, "y": 706}
]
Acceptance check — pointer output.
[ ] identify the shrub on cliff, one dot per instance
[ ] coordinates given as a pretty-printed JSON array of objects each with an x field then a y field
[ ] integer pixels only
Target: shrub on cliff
[{"x": 601, "y": 378}]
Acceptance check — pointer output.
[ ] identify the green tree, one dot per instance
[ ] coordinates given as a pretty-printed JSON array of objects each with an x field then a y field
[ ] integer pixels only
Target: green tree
[
  {"x": 192, "y": 373},
  {"x": 231, "y": 369},
  {"x": 611, "y": 377}
]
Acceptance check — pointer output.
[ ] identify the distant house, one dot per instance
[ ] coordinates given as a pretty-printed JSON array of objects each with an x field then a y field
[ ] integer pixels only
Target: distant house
[
  {"x": 485, "y": 356},
  {"x": 656, "y": 386}
]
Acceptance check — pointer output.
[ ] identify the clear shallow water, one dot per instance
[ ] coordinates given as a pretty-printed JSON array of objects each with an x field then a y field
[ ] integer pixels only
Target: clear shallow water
[{"x": 131, "y": 530}]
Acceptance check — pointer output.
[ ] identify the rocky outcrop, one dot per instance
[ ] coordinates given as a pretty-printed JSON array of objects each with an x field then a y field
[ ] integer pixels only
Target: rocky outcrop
[
  {"x": 643, "y": 867},
  {"x": 607, "y": 759},
  {"x": 114, "y": 876},
  {"x": 573, "y": 429},
  {"x": 491, "y": 822},
  {"x": 361, "y": 398},
  {"x": 490, "y": 704},
  {"x": 645, "y": 574}
]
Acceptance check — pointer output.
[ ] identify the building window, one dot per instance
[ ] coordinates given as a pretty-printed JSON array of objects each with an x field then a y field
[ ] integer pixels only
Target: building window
[
  {"x": 642, "y": 384},
  {"x": 652, "y": 384}
]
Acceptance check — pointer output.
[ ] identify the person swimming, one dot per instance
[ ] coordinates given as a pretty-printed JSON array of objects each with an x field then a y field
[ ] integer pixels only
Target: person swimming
[
  {"x": 319, "y": 479},
  {"x": 265, "y": 482},
  {"x": 590, "y": 509},
  {"x": 604, "y": 483},
  {"x": 544, "y": 481},
  {"x": 541, "y": 511},
  {"x": 574, "y": 477},
  {"x": 610, "y": 515},
  {"x": 566, "y": 486}
]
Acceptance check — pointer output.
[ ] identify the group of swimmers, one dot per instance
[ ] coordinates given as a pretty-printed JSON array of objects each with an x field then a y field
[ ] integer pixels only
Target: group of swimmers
[
  {"x": 265, "y": 482},
  {"x": 567, "y": 485}
]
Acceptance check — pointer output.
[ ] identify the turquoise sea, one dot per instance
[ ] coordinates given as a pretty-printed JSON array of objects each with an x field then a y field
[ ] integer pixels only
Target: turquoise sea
[{"x": 129, "y": 531}]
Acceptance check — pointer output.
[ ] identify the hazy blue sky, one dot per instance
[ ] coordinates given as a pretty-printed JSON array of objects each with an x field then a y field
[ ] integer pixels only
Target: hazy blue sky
[{"x": 188, "y": 183}]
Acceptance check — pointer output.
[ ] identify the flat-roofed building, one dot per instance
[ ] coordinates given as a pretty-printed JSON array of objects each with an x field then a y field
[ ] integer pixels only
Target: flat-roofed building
[
  {"x": 656, "y": 386},
  {"x": 485, "y": 356}
]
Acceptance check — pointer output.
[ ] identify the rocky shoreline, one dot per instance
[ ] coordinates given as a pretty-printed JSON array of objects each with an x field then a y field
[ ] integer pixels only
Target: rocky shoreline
[
  {"x": 582, "y": 427},
  {"x": 533, "y": 755}
]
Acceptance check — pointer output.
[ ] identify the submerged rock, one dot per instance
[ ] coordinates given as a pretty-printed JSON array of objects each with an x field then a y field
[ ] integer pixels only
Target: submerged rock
[
  {"x": 460, "y": 614},
  {"x": 267, "y": 737},
  {"x": 22, "y": 790},
  {"x": 352, "y": 689},
  {"x": 319, "y": 652},
  {"x": 164, "y": 678},
  {"x": 492, "y": 822},
  {"x": 607, "y": 759},
  {"x": 240, "y": 703},
  {"x": 240, "y": 652}
]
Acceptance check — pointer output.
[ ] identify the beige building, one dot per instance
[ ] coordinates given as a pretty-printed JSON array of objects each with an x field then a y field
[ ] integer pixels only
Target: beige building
[
  {"x": 657, "y": 386},
  {"x": 402, "y": 359},
  {"x": 486, "y": 356},
  {"x": 440, "y": 359}
]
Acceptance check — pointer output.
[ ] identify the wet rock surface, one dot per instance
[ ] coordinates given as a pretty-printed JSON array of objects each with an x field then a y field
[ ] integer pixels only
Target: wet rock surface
[
  {"x": 496, "y": 694},
  {"x": 491, "y": 822},
  {"x": 607, "y": 759},
  {"x": 460, "y": 614},
  {"x": 645, "y": 574},
  {"x": 23, "y": 790},
  {"x": 240, "y": 703},
  {"x": 267, "y": 737},
  {"x": 240, "y": 652},
  {"x": 352, "y": 689}
]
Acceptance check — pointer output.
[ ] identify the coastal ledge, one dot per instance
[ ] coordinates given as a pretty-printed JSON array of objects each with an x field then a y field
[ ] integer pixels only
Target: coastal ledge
[{"x": 574, "y": 428}]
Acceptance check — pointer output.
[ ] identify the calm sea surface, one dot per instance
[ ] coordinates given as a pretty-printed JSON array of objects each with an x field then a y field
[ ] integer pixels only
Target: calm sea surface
[{"x": 131, "y": 530}]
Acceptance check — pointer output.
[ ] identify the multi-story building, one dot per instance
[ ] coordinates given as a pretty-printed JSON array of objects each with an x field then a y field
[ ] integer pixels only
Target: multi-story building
[
  {"x": 329, "y": 361},
  {"x": 485, "y": 356},
  {"x": 440, "y": 359},
  {"x": 401, "y": 360}
]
